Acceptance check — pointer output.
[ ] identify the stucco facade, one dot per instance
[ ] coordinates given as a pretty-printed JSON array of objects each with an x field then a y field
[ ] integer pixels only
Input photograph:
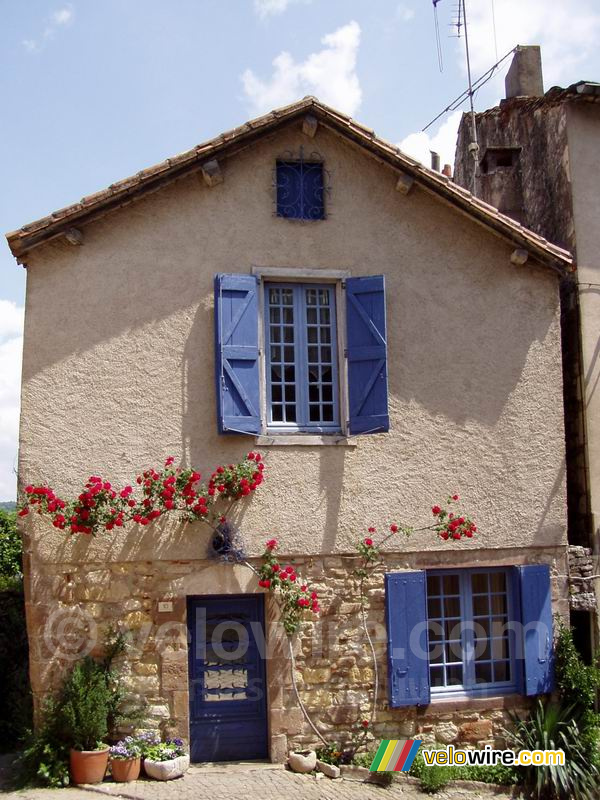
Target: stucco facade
[{"x": 118, "y": 372}]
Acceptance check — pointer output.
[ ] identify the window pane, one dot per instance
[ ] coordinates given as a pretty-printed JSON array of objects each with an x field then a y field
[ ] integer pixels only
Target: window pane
[
  {"x": 436, "y": 653},
  {"x": 290, "y": 413},
  {"x": 437, "y": 676},
  {"x": 290, "y": 374},
  {"x": 324, "y": 316},
  {"x": 312, "y": 335},
  {"x": 434, "y": 608},
  {"x": 452, "y": 607},
  {"x": 311, "y": 316},
  {"x": 479, "y": 582},
  {"x": 481, "y": 605},
  {"x": 436, "y": 630},
  {"x": 450, "y": 584},
  {"x": 274, "y": 315},
  {"x": 497, "y": 582},
  {"x": 275, "y": 374},
  {"x": 275, "y": 333},
  {"x": 290, "y": 393},
  {"x": 325, "y": 335},
  {"x": 483, "y": 673},
  {"x": 326, "y": 354},
  {"x": 498, "y": 604},
  {"x": 276, "y": 412},
  {"x": 311, "y": 297},
  {"x": 287, "y": 297},
  {"x": 288, "y": 334},
  {"x": 454, "y": 651},
  {"x": 313, "y": 393},
  {"x": 274, "y": 297},
  {"x": 328, "y": 413},
  {"x": 454, "y": 675},
  {"x": 314, "y": 413},
  {"x": 502, "y": 671},
  {"x": 433, "y": 584},
  {"x": 275, "y": 353},
  {"x": 276, "y": 393}
]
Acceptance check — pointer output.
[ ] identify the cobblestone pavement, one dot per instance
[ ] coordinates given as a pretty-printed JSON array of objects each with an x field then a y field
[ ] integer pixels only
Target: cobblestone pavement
[{"x": 241, "y": 781}]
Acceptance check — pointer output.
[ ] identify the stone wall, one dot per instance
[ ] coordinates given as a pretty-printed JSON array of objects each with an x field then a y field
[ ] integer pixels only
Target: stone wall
[
  {"x": 583, "y": 572},
  {"x": 334, "y": 670}
]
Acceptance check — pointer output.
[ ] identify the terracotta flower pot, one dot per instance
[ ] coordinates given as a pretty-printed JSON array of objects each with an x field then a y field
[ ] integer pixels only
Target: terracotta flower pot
[
  {"x": 125, "y": 769},
  {"x": 88, "y": 766}
]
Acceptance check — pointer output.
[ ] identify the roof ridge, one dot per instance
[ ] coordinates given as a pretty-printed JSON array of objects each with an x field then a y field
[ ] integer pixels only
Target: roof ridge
[{"x": 125, "y": 190}]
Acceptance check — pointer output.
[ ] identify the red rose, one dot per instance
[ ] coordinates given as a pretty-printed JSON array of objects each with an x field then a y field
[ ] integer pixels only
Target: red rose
[
  {"x": 251, "y": 456},
  {"x": 303, "y": 588},
  {"x": 275, "y": 567},
  {"x": 371, "y": 530},
  {"x": 131, "y": 503},
  {"x": 28, "y": 489},
  {"x": 456, "y": 535},
  {"x": 365, "y": 723},
  {"x": 455, "y": 497},
  {"x": 369, "y": 542},
  {"x": 271, "y": 544},
  {"x": 23, "y": 512},
  {"x": 394, "y": 528},
  {"x": 313, "y": 596},
  {"x": 169, "y": 461},
  {"x": 435, "y": 510},
  {"x": 444, "y": 535},
  {"x": 220, "y": 470},
  {"x": 289, "y": 570}
]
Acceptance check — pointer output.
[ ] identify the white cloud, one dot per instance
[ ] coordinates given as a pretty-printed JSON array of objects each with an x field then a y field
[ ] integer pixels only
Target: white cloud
[
  {"x": 266, "y": 8},
  {"x": 404, "y": 13},
  {"x": 330, "y": 74},
  {"x": 63, "y": 16},
  {"x": 443, "y": 141},
  {"x": 567, "y": 31},
  {"x": 59, "y": 18},
  {"x": 11, "y": 348}
]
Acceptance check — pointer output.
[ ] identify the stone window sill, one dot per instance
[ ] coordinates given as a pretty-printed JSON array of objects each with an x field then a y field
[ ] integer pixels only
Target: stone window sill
[
  {"x": 463, "y": 703},
  {"x": 302, "y": 439}
]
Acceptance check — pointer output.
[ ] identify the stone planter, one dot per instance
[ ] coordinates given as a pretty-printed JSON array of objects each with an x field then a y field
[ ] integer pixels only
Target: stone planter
[
  {"x": 303, "y": 762},
  {"x": 88, "y": 766},
  {"x": 125, "y": 769},
  {"x": 166, "y": 770}
]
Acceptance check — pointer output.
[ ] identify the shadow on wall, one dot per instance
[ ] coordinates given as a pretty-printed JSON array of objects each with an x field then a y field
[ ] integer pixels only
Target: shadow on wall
[
  {"x": 200, "y": 437},
  {"x": 464, "y": 360}
]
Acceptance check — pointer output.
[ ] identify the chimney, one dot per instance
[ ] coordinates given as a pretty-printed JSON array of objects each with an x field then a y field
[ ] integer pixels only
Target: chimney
[
  {"x": 435, "y": 161},
  {"x": 447, "y": 171},
  {"x": 524, "y": 77}
]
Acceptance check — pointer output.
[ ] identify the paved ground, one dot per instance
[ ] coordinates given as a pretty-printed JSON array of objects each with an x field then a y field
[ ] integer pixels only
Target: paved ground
[{"x": 241, "y": 781}]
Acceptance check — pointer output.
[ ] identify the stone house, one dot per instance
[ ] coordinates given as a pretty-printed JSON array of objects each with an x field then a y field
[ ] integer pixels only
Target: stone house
[
  {"x": 437, "y": 369},
  {"x": 537, "y": 163}
]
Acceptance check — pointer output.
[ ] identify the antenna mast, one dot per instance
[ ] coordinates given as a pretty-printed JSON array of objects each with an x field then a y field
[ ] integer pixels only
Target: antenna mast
[{"x": 473, "y": 144}]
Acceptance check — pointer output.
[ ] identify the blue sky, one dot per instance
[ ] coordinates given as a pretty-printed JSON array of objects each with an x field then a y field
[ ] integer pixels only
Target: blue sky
[{"x": 94, "y": 90}]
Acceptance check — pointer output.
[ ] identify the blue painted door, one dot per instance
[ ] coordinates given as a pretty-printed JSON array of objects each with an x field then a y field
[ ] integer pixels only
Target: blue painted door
[{"x": 228, "y": 702}]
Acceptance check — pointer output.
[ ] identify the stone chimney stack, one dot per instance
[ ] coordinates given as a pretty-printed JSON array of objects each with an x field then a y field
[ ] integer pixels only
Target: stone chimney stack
[{"x": 524, "y": 77}]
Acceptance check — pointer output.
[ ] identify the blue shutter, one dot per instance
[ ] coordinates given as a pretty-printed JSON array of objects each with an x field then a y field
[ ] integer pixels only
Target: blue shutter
[
  {"x": 406, "y": 620},
  {"x": 236, "y": 356},
  {"x": 367, "y": 357},
  {"x": 537, "y": 638}
]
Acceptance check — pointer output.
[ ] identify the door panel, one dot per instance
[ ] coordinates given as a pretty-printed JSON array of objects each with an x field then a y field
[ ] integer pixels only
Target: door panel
[{"x": 228, "y": 704}]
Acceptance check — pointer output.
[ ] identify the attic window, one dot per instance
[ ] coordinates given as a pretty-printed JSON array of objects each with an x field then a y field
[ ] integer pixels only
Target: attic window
[
  {"x": 500, "y": 158},
  {"x": 300, "y": 190}
]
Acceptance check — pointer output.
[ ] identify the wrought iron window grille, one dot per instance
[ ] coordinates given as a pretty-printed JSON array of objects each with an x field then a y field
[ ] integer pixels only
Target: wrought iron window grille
[{"x": 301, "y": 187}]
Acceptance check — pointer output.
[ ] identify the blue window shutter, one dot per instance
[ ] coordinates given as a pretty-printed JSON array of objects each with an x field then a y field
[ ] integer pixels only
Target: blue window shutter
[
  {"x": 406, "y": 620},
  {"x": 236, "y": 353},
  {"x": 536, "y": 617},
  {"x": 367, "y": 355}
]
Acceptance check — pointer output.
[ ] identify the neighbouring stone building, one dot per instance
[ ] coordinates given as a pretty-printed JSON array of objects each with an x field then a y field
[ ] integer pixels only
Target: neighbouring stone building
[
  {"x": 438, "y": 370},
  {"x": 538, "y": 163}
]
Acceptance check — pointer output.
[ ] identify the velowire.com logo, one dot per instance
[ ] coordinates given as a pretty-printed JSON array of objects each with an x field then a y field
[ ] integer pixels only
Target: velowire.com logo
[{"x": 395, "y": 755}]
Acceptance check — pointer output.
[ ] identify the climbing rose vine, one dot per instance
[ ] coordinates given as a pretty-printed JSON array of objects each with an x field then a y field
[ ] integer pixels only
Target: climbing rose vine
[
  {"x": 154, "y": 493},
  {"x": 294, "y": 595}
]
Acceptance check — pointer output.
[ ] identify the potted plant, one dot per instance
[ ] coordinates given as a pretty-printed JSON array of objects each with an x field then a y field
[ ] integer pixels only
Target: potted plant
[
  {"x": 167, "y": 760},
  {"x": 125, "y": 760},
  {"x": 84, "y": 711}
]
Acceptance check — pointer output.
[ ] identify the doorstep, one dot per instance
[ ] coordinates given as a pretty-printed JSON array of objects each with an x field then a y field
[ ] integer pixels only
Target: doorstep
[{"x": 215, "y": 767}]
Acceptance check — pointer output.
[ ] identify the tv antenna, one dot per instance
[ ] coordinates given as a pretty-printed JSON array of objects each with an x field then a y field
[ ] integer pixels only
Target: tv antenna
[{"x": 461, "y": 25}]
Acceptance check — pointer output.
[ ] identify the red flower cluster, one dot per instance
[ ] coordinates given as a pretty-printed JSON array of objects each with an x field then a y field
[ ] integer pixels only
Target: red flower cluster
[
  {"x": 450, "y": 525},
  {"x": 100, "y": 506},
  {"x": 295, "y": 595}
]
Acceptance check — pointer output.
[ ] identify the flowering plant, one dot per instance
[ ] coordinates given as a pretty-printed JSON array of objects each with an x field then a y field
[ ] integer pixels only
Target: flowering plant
[
  {"x": 166, "y": 751},
  {"x": 450, "y": 525},
  {"x": 172, "y": 489},
  {"x": 295, "y": 596},
  {"x": 129, "y": 747},
  {"x": 147, "y": 740}
]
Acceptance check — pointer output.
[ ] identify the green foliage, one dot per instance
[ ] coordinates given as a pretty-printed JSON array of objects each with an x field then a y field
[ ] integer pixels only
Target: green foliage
[
  {"x": 578, "y": 685},
  {"x": 82, "y": 715},
  {"x": 15, "y": 697},
  {"x": 11, "y": 560},
  {"x": 553, "y": 726},
  {"x": 331, "y": 753},
  {"x": 84, "y": 706}
]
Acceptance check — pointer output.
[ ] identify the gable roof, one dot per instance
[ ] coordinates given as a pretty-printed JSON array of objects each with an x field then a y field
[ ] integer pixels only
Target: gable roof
[{"x": 121, "y": 193}]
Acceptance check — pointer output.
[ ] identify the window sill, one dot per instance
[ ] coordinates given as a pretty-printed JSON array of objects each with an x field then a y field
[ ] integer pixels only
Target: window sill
[
  {"x": 303, "y": 439},
  {"x": 490, "y": 702}
]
